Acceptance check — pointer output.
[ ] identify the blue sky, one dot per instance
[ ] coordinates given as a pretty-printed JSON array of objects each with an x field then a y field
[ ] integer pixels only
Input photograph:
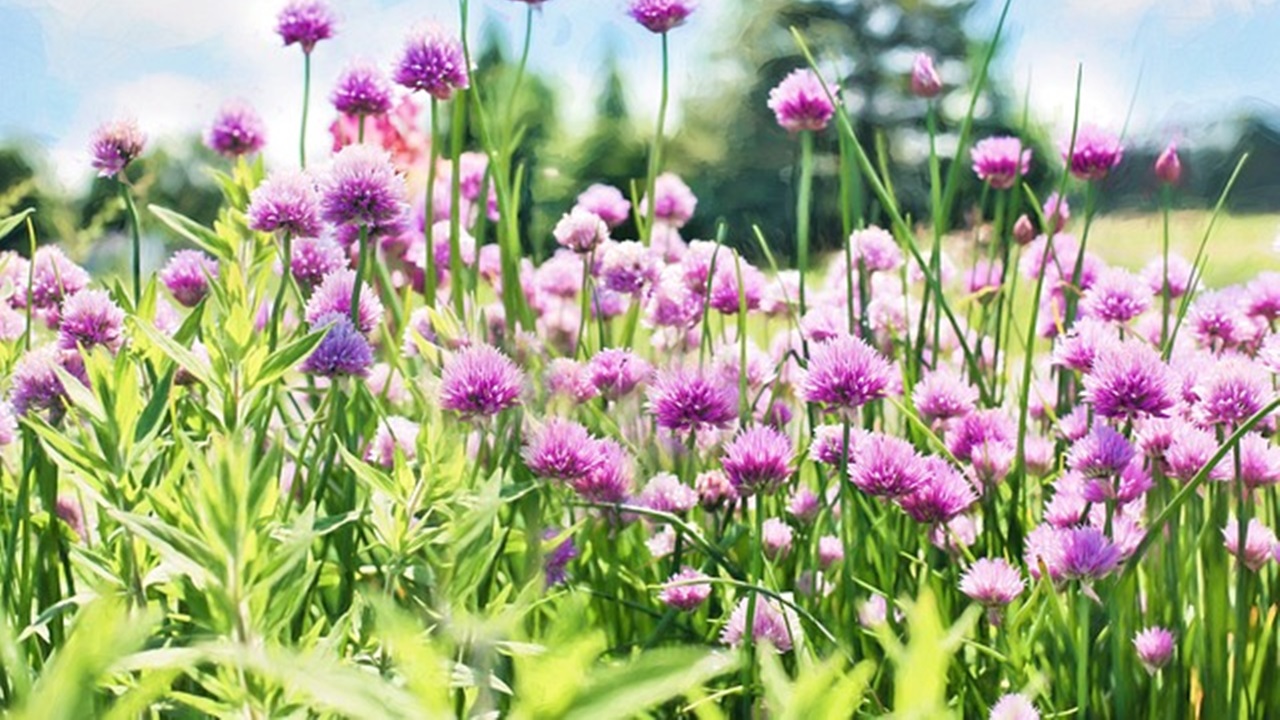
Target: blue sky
[{"x": 71, "y": 64}]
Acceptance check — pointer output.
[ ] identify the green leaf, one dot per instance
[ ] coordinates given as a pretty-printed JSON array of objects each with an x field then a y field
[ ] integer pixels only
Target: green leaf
[
  {"x": 286, "y": 358},
  {"x": 183, "y": 357},
  {"x": 8, "y": 224},
  {"x": 655, "y": 677},
  {"x": 206, "y": 239}
]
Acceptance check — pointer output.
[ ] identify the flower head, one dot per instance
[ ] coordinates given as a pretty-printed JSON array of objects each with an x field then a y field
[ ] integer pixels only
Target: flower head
[
  {"x": 362, "y": 188},
  {"x": 394, "y": 433},
  {"x": 925, "y": 82},
  {"x": 1087, "y": 554},
  {"x": 187, "y": 276},
  {"x": 286, "y": 202},
  {"x": 362, "y": 89},
  {"x": 1259, "y": 543},
  {"x": 830, "y": 551},
  {"x": 682, "y": 593},
  {"x": 607, "y": 202},
  {"x": 91, "y": 318},
  {"x": 581, "y": 230},
  {"x": 1095, "y": 155},
  {"x": 773, "y": 623},
  {"x": 659, "y": 16},
  {"x": 305, "y": 22},
  {"x": 665, "y": 493},
  {"x": 846, "y": 373},
  {"x": 691, "y": 401},
  {"x": 343, "y": 351},
  {"x": 758, "y": 460},
  {"x": 1168, "y": 167},
  {"x": 35, "y": 385},
  {"x": 942, "y": 395},
  {"x": 237, "y": 130},
  {"x": 676, "y": 202},
  {"x": 560, "y": 450},
  {"x": 1000, "y": 161},
  {"x": 1117, "y": 296},
  {"x": 775, "y": 538},
  {"x": 887, "y": 467},
  {"x": 628, "y": 267},
  {"x": 479, "y": 381},
  {"x": 942, "y": 495},
  {"x": 1154, "y": 646},
  {"x": 1129, "y": 380},
  {"x": 1102, "y": 453},
  {"x": 992, "y": 582},
  {"x": 432, "y": 63},
  {"x": 115, "y": 145},
  {"x": 610, "y": 478},
  {"x": 1231, "y": 391},
  {"x": 556, "y": 560},
  {"x": 800, "y": 102},
  {"x": 314, "y": 258},
  {"x": 616, "y": 372},
  {"x": 1014, "y": 706},
  {"x": 334, "y": 296}
]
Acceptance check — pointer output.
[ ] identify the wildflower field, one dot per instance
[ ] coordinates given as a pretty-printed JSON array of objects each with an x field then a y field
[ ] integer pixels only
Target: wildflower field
[{"x": 355, "y": 453}]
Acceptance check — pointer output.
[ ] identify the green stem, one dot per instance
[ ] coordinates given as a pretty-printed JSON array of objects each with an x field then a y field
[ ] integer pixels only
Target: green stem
[
  {"x": 804, "y": 199},
  {"x": 362, "y": 262},
  {"x": 1244, "y": 511},
  {"x": 655, "y": 154},
  {"x": 429, "y": 281},
  {"x": 306, "y": 102},
  {"x": 1166, "y": 193},
  {"x": 135, "y": 234},
  {"x": 286, "y": 255},
  {"x": 1082, "y": 652},
  {"x": 457, "y": 284}
]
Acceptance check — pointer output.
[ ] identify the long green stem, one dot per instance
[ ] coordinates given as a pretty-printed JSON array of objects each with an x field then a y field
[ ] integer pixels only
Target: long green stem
[
  {"x": 804, "y": 197},
  {"x": 135, "y": 232},
  {"x": 1244, "y": 512},
  {"x": 655, "y": 154},
  {"x": 429, "y": 281},
  {"x": 362, "y": 262},
  {"x": 457, "y": 283},
  {"x": 1166, "y": 193},
  {"x": 306, "y": 103},
  {"x": 286, "y": 259},
  {"x": 1082, "y": 653}
]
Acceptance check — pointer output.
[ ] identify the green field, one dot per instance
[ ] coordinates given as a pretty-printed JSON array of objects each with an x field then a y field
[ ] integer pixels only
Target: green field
[{"x": 1240, "y": 246}]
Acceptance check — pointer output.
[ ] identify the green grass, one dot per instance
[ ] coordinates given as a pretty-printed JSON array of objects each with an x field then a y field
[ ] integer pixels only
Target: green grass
[{"x": 1239, "y": 248}]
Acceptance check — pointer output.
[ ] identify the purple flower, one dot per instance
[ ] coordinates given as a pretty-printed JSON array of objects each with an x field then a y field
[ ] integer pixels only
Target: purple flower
[
  {"x": 874, "y": 249},
  {"x": 1129, "y": 380},
  {"x": 925, "y": 82},
  {"x": 8, "y": 424},
  {"x": 943, "y": 394},
  {"x": 343, "y": 351},
  {"x": 90, "y": 318},
  {"x": 682, "y": 593},
  {"x": 1087, "y": 554},
  {"x": 305, "y": 22},
  {"x": 314, "y": 258},
  {"x": 115, "y": 145},
  {"x": 772, "y": 624},
  {"x": 1168, "y": 167},
  {"x": 286, "y": 202},
  {"x": 1117, "y": 296},
  {"x": 804, "y": 505},
  {"x": 1259, "y": 543},
  {"x": 432, "y": 63},
  {"x": 992, "y": 582},
  {"x": 616, "y": 372},
  {"x": 607, "y": 202},
  {"x": 187, "y": 276},
  {"x": 362, "y": 188},
  {"x": 800, "y": 102},
  {"x": 610, "y": 477},
  {"x": 1179, "y": 275},
  {"x": 394, "y": 433},
  {"x": 1102, "y": 453},
  {"x": 665, "y": 493},
  {"x": 362, "y": 89},
  {"x": 714, "y": 488},
  {"x": 1014, "y": 706},
  {"x": 334, "y": 296},
  {"x": 726, "y": 293},
  {"x": 560, "y": 450},
  {"x": 828, "y": 440},
  {"x": 1000, "y": 161},
  {"x": 873, "y": 612},
  {"x": 1095, "y": 155},
  {"x": 942, "y": 495},
  {"x": 830, "y": 551},
  {"x": 887, "y": 467},
  {"x": 556, "y": 561},
  {"x": 845, "y": 373},
  {"x": 1259, "y": 461},
  {"x": 1154, "y": 646},
  {"x": 35, "y": 385},
  {"x": 758, "y": 460},
  {"x": 479, "y": 382},
  {"x": 775, "y": 538},
  {"x": 690, "y": 401},
  {"x": 676, "y": 201},
  {"x": 979, "y": 432},
  {"x": 237, "y": 130},
  {"x": 1231, "y": 391},
  {"x": 581, "y": 230},
  {"x": 659, "y": 16},
  {"x": 1190, "y": 450}
]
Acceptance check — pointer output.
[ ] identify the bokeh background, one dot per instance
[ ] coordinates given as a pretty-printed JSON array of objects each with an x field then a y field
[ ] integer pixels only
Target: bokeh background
[{"x": 1196, "y": 72}]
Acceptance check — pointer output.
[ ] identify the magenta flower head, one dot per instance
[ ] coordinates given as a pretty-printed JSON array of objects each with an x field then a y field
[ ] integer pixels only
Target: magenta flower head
[
  {"x": 362, "y": 89},
  {"x": 334, "y": 296},
  {"x": 1095, "y": 155},
  {"x": 992, "y": 582},
  {"x": 682, "y": 593},
  {"x": 773, "y": 623},
  {"x": 89, "y": 319},
  {"x": 555, "y": 562},
  {"x": 1129, "y": 380},
  {"x": 665, "y": 493},
  {"x": 1087, "y": 554},
  {"x": 1117, "y": 296},
  {"x": 1000, "y": 161},
  {"x": 479, "y": 382},
  {"x": 610, "y": 478},
  {"x": 187, "y": 276},
  {"x": 676, "y": 202},
  {"x": 616, "y": 372},
  {"x": 115, "y": 145},
  {"x": 925, "y": 82},
  {"x": 846, "y": 373},
  {"x": 286, "y": 202},
  {"x": 561, "y": 450},
  {"x": 628, "y": 267},
  {"x": 1231, "y": 391},
  {"x": 237, "y": 130},
  {"x": 659, "y": 16},
  {"x": 1102, "y": 453},
  {"x": 887, "y": 467},
  {"x": 1014, "y": 706},
  {"x": 344, "y": 351},
  {"x": 1259, "y": 543},
  {"x": 758, "y": 460},
  {"x": 942, "y": 395},
  {"x": 394, "y": 433},
  {"x": 607, "y": 202},
  {"x": 691, "y": 401},
  {"x": 314, "y": 258},
  {"x": 830, "y": 551},
  {"x": 1168, "y": 166},
  {"x": 433, "y": 63},
  {"x": 942, "y": 495},
  {"x": 35, "y": 385},
  {"x": 775, "y": 539},
  {"x": 800, "y": 102},
  {"x": 1154, "y": 646},
  {"x": 54, "y": 277},
  {"x": 581, "y": 230},
  {"x": 305, "y": 23},
  {"x": 362, "y": 188}
]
